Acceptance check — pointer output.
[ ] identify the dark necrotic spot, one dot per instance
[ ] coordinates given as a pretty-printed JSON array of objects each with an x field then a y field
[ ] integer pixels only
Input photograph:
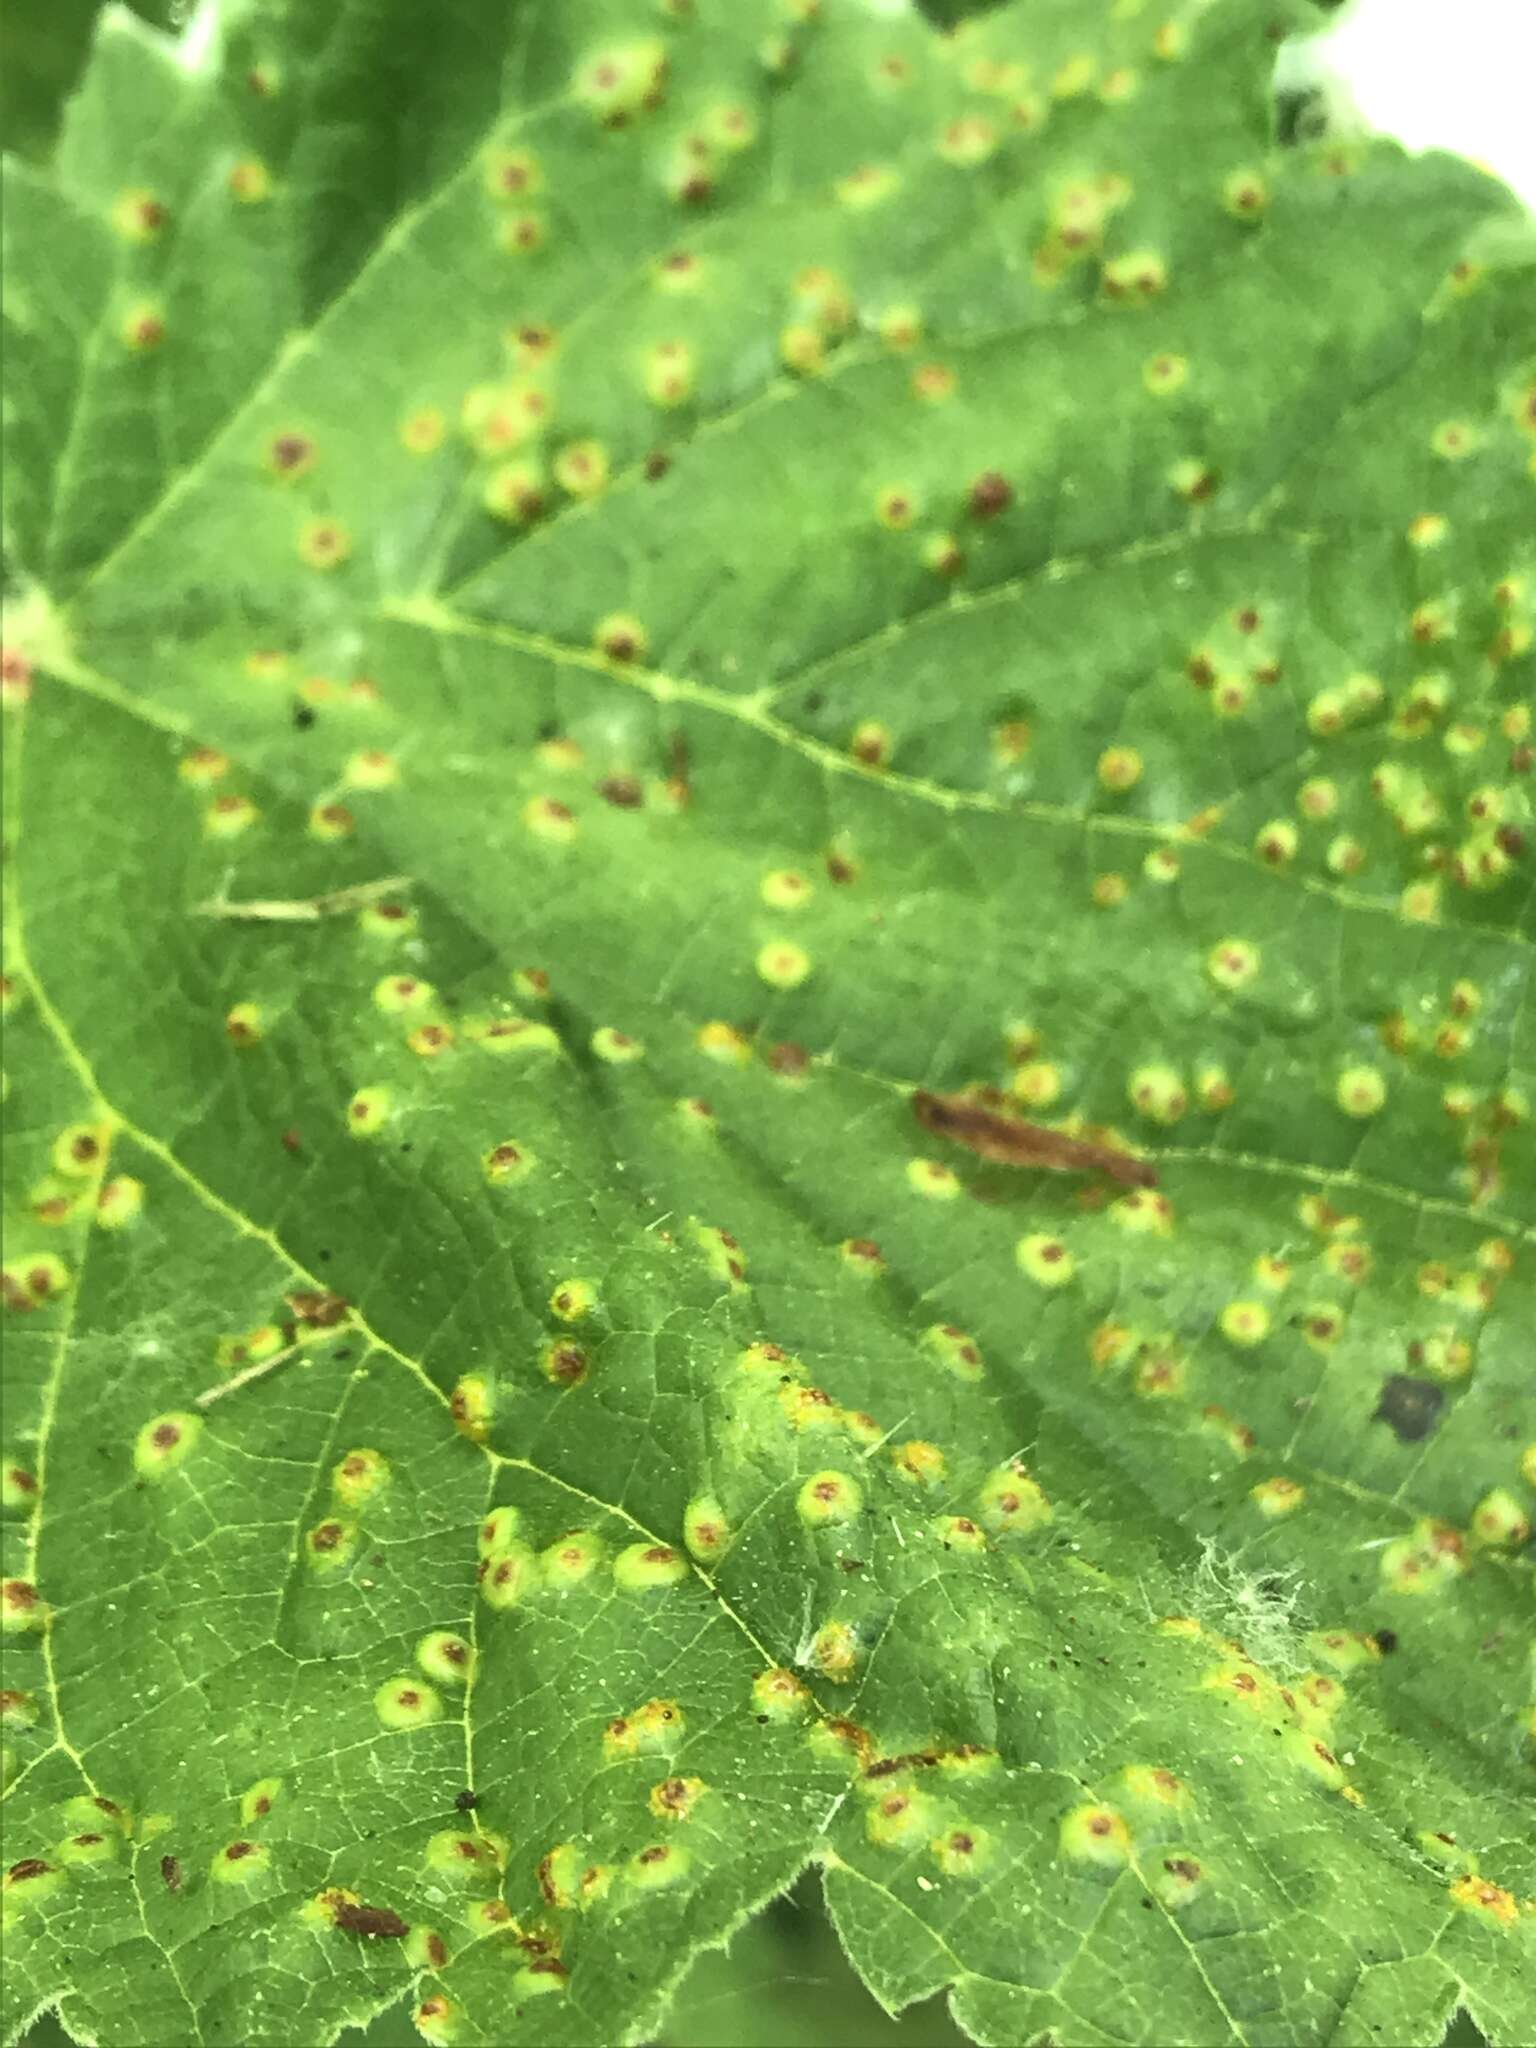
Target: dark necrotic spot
[
  {"x": 466, "y": 1801},
  {"x": 1386, "y": 1640},
  {"x": 1409, "y": 1407},
  {"x": 170, "y": 1870},
  {"x": 378, "y": 1922}
]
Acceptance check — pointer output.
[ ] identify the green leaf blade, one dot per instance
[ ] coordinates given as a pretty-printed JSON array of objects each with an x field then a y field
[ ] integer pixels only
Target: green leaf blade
[{"x": 499, "y": 947}]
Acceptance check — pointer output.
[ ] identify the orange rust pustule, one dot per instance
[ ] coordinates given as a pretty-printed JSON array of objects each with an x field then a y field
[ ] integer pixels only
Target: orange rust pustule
[{"x": 1011, "y": 1141}]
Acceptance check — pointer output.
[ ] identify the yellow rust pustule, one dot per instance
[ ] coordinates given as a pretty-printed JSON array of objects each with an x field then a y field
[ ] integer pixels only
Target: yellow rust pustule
[{"x": 1012, "y": 1141}]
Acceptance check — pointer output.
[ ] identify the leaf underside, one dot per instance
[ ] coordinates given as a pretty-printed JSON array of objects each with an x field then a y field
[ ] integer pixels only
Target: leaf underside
[{"x": 604, "y": 591}]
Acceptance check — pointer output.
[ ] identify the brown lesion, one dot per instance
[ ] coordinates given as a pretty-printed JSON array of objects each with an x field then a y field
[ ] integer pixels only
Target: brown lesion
[
  {"x": 624, "y": 792},
  {"x": 375, "y": 1922},
  {"x": 318, "y": 1308},
  {"x": 983, "y": 1126}
]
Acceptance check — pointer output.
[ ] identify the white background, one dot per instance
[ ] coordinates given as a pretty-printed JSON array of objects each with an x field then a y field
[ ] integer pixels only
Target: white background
[{"x": 1447, "y": 74}]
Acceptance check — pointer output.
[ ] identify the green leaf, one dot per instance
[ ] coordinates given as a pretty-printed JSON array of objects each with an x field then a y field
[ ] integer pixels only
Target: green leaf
[{"x": 602, "y": 594}]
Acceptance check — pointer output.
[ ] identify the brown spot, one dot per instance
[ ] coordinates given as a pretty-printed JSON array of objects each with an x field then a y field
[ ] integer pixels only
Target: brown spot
[
  {"x": 679, "y": 786},
  {"x": 318, "y": 1309},
  {"x": 238, "y": 1851},
  {"x": 291, "y": 1141},
  {"x": 840, "y": 870},
  {"x": 990, "y": 494},
  {"x": 20, "y": 1593},
  {"x": 623, "y": 791},
  {"x": 170, "y": 1872},
  {"x": 619, "y": 644},
  {"x": 1386, "y": 1640},
  {"x": 856, "y": 1738},
  {"x": 660, "y": 1553},
  {"x": 465, "y": 1801},
  {"x": 1409, "y": 1407},
  {"x": 568, "y": 1364},
  {"x": 1182, "y": 1866},
  {"x": 376, "y": 1922},
  {"x": 657, "y": 463},
  {"x": 289, "y": 452},
  {"x": 29, "y": 1867},
  {"x": 1008, "y": 1140},
  {"x": 165, "y": 1436},
  {"x": 887, "y": 1766},
  {"x": 326, "y": 1536}
]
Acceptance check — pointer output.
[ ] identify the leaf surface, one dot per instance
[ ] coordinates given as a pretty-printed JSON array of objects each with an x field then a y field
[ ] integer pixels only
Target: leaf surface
[{"x": 607, "y": 592}]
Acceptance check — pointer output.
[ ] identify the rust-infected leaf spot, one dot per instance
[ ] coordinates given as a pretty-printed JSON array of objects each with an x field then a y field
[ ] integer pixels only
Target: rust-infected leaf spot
[
  {"x": 1011, "y": 1141},
  {"x": 1409, "y": 1407},
  {"x": 374, "y": 1922},
  {"x": 991, "y": 493},
  {"x": 317, "y": 1309}
]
